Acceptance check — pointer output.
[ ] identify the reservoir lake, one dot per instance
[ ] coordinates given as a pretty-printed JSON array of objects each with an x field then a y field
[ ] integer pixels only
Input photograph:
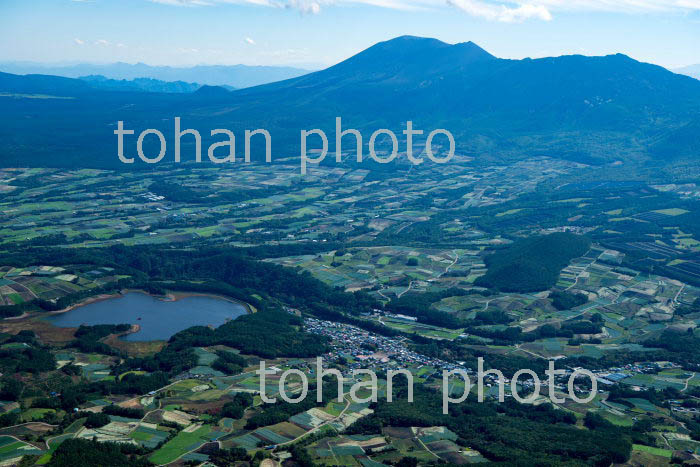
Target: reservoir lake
[{"x": 159, "y": 319}]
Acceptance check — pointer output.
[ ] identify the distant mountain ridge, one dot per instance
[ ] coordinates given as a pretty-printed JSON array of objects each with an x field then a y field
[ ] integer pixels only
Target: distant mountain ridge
[
  {"x": 465, "y": 77},
  {"x": 43, "y": 84},
  {"x": 61, "y": 86},
  {"x": 236, "y": 76},
  {"x": 588, "y": 109},
  {"x": 140, "y": 84},
  {"x": 577, "y": 107}
]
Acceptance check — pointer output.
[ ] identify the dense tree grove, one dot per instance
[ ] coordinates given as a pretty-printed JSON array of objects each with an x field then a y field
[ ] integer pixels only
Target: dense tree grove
[
  {"x": 229, "y": 362},
  {"x": 87, "y": 453},
  {"x": 562, "y": 300},
  {"x": 123, "y": 411},
  {"x": 229, "y": 271},
  {"x": 694, "y": 427},
  {"x": 30, "y": 359},
  {"x": 685, "y": 347},
  {"x": 509, "y": 432},
  {"x": 87, "y": 338},
  {"x": 228, "y": 456},
  {"x": 73, "y": 394},
  {"x": 236, "y": 408},
  {"x": 532, "y": 264},
  {"x": 688, "y": 309},
  {"x": 10, "y": 388},
  {"x": 96, "y": 420},
  {"x": 268, "y": 334}
]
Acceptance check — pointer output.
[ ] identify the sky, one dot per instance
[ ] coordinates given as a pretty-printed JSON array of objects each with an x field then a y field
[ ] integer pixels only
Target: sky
[{"x": 316, "y": 33}]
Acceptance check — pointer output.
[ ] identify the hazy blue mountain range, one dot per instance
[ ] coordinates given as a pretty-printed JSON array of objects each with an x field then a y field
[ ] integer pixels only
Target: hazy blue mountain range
[
  {"x": 237, "y": 76},
  {"x": 589, "y": 109},
  {"x": 141, "y": 84}
]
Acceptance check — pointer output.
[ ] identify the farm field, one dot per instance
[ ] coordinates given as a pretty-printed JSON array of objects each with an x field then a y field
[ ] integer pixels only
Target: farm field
[{"x": 416, "y": 252}]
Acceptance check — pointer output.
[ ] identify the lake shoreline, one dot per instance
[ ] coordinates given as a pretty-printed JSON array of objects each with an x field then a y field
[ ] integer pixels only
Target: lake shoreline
[
  {"x": 174, "y": 295},
  {"x": 171, "y": 296},
  {"x": 162, "y": 315}
]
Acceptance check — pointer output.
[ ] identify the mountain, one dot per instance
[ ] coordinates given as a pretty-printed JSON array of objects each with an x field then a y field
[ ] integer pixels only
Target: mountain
[
  {"x": 43, "y": 84},
  {"x": 140, "y": 84},
  {"x": 212, "y": 91},
  {"x": 692, "y": 70},
  {"x": 589, "y": 109},
  {"x": 405, "y": 61},
  {"x": 236, "y": 76},
  {"x": 60, "y": 86},
  {"x": 462, "y": 81}
]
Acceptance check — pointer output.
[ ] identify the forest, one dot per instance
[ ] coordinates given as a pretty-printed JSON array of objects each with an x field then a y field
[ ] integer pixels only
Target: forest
[
  {"x": 509, "y": 432},
  {"x": 532, "y": 264},
  {"x": 225, "y": 270}
]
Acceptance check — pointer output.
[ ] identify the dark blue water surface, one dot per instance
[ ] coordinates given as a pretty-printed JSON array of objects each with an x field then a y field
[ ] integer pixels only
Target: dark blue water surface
[{"x": 160, "y": 319}]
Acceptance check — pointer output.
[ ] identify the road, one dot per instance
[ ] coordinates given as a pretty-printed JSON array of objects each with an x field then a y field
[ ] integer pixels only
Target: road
[
  {"x": 410, "y": 284},
  {"x": 427, "y": 448},
  {"x": 584, "y": 270},
  {"x": 447, "y": 269},
  {"x": 517, "y": 347},
  {"x": 687, "y": 381},
  {"x": 675, "y": 299}
]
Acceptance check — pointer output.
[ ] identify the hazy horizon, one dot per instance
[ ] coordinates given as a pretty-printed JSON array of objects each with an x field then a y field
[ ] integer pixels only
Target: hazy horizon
[
  {"x": 299, "y": 33},
  {"x": 310, "y": 67}
]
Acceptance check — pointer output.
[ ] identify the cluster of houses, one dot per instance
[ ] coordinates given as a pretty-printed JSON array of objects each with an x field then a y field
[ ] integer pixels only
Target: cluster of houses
[
  {"x": 358, "y": 348},
  {"x": 364, "y": 349},
  {"x": 152, "y": 197},
  {"x": 677, "y": 407}
]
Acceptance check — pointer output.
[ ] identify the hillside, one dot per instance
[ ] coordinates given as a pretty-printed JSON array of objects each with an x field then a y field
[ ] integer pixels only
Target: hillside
[{"x": 588, "y": 109}]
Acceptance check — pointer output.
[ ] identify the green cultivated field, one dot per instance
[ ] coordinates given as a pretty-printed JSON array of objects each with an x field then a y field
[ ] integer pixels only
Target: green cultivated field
[{"x": 180, "y": 445}]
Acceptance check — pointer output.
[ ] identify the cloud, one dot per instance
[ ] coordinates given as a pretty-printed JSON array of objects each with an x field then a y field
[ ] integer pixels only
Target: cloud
[
  {"x": 508, "y": 11},
  {"x": 250, "y": 41},
  {"x": 102, "y": 42},
  {"x": 78, "y": 41},
  {"x": 185, "y": 2},
  {"x": 503, "y": 13},
  {"x": 305, "y": 6},
  {"x": 624, "y": 6}
]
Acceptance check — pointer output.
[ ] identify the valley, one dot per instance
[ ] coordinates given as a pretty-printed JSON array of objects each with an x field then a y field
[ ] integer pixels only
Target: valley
[
  {"x": 400, "y": 270},
  {"x": 491, "y": 259}
]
